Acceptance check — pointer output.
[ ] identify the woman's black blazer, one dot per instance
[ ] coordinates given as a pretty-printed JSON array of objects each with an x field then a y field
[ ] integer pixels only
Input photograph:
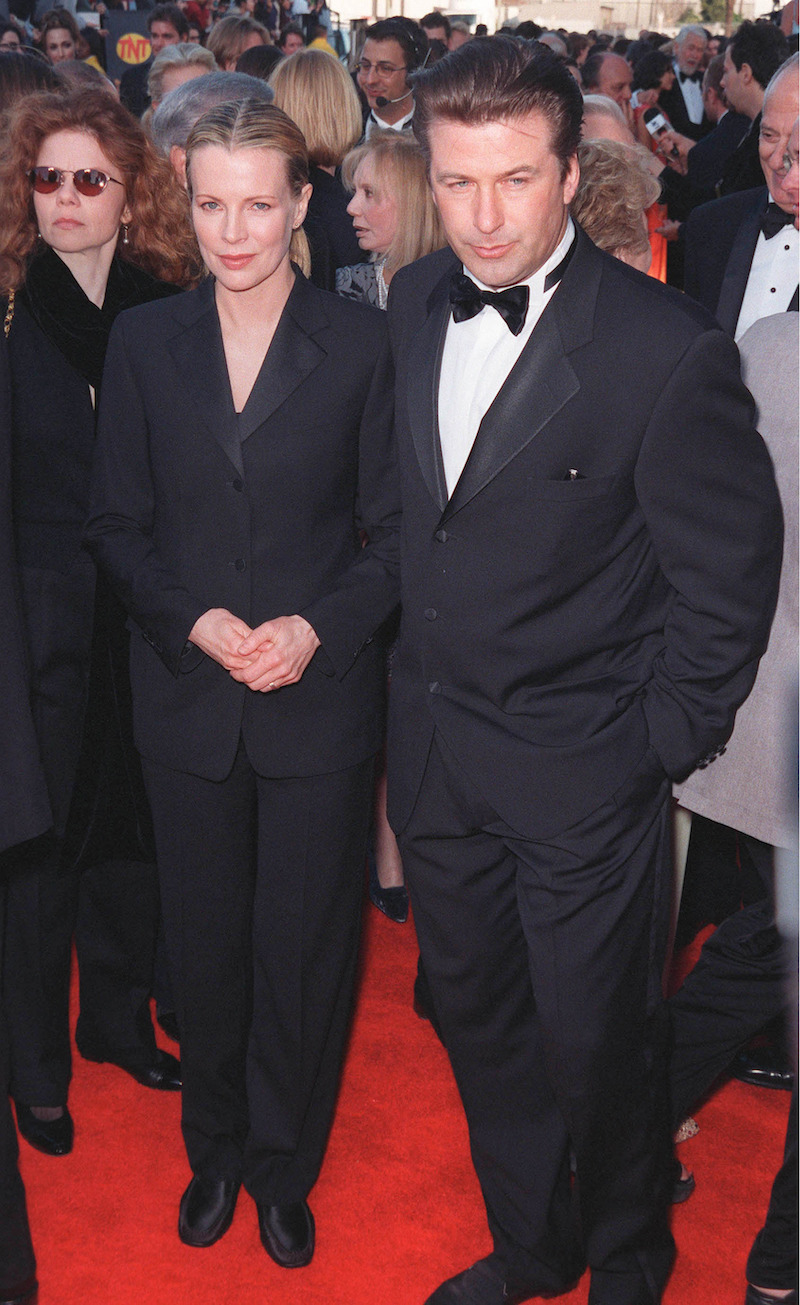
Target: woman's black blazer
[{"x": 262, "y": 513}]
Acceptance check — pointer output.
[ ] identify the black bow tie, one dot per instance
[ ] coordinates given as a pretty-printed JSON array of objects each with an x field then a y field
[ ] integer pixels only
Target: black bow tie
[
  {"x": 468, "y": 299},
  {"x": 690, "y": 77},
  {"x": 774, "y": 219}
]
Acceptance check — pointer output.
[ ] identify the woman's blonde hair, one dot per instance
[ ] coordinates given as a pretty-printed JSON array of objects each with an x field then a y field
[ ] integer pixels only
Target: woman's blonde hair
[
  {"x": 318, "y": 93},
  {"x": 400, "y": 169},
  {"x": 160, "y": 236},
  {"x": 254, "y": 125},
  {"x": 227, "y": 38},
  {"x": 614, "y": 190}
]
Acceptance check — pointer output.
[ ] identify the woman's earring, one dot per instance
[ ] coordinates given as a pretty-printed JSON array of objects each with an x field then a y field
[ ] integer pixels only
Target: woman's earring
[{"x": 125, "y": 233}]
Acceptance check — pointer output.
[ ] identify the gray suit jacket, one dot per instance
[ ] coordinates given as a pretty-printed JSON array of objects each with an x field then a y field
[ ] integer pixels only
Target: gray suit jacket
[{"x": 749, "y": 787}]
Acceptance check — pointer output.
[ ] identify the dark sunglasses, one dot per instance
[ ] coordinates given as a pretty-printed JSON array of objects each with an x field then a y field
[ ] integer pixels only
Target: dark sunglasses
[{"x": 88, "y": 181}]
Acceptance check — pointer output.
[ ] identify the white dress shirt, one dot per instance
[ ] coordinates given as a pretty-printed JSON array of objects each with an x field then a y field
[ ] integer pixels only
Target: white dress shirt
[
  {"x": 478, "y": 357},
  {"x": 773, "y": 278},
  {"x": 376, "y": 123},
  {"x": 692, "y": 93}
]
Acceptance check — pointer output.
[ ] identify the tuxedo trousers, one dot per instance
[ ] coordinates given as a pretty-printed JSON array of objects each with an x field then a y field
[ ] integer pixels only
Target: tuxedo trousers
[
  {"x": 112, "y": 910},
  {"x": 544, "y": 961},
  {"x": 738, "y": 985},
  {"x": 261, "y": 888}
]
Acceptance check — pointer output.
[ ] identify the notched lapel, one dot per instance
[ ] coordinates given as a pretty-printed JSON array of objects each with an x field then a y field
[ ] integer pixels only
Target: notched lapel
[
  {"x": 543, "y": 379},
  {"x": 424, "y": 366},
  {"x": 291, "y": 358},
  {"x": 199, "y": 356},
  {"x": 538, "y": 386}
]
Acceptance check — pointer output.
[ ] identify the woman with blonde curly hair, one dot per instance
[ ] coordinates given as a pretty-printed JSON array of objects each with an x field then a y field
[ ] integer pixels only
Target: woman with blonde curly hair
[
  {"x": 615, "y": 190},
  {"x": 90, "y": 216}
]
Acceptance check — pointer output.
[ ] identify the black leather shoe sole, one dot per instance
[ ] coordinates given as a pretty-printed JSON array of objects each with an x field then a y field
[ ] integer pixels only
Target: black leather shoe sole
[
  {"x": 765, "y": 1067},
  {"x": 164, "y": 1074},
  {"x": 207, "y": 1210},
  {"x": 287, "y": 1233},
  {"x": 755, "y": 1297},
  {"x": 52, "y": 1136},
  {"x": 25, "y": 1293}
]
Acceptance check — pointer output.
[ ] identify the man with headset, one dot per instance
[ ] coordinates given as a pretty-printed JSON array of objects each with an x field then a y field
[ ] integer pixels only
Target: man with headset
[{"x": 394, "y": 47}]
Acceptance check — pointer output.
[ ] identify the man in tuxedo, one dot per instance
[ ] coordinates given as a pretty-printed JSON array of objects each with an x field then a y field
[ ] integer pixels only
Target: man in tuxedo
[
  {"x": 742, "y": 250},
  {"x": 683, "y": 102},
  {"x": 754, "y": 55},
  {"x": 590, "y": 544}
]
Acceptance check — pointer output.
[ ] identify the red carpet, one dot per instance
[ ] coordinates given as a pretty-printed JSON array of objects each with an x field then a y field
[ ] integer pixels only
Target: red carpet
[{"x": 397, "y": 1207}]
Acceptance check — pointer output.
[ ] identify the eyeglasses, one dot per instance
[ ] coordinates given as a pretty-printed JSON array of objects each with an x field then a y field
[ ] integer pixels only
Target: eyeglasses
[
  {"x": 382, "y": 69},
  {"x": 88, "y": 181},
  {"x": 13, "y": 44}
]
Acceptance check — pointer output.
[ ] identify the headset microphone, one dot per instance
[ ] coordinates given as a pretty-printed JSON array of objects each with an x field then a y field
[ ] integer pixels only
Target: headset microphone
[{"x": 381, "y": 100}]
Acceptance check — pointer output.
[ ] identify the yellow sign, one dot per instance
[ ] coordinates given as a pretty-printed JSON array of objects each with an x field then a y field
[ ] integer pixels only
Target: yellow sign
[{"x": 133, "y": 47}]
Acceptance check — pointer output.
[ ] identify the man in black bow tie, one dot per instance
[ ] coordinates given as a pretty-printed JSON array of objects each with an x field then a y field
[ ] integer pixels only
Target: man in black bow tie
[
  {"x": 683, "y": 102},
  {"x": 742, "y": 250},
  {"x": 591, "y": 539}
]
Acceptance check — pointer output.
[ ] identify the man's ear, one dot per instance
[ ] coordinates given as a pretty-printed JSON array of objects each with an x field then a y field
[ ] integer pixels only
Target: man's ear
[
  {"x": 746, "y": 73},
  {"x": 177, "y": 157}
]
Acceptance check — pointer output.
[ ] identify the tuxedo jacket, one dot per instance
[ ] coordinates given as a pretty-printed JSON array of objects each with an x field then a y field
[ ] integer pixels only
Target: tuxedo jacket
[
  {"x": 705, "y": 163},
  {"x": 674, "y": 106},
  {"x": 603, "y": 576},
  {"x": 721, "y": 238},
  {"x": 195, "y": 507}
]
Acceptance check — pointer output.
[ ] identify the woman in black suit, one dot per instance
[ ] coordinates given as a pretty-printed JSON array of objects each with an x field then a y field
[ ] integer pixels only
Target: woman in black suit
[
  {"x": 90, "y": 223},
  {"x": 244, "y": 453}
]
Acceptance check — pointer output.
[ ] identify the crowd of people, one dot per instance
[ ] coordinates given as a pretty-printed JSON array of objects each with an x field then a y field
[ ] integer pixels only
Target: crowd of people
[{"x": 298, "y": 346}]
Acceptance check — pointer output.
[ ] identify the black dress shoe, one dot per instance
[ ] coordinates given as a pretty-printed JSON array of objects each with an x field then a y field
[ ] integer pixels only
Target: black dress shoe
[
  {"x": 163, "y": 1073},
  {"x": 755, "y": 1297},
  {"x": 206, "y": 1211},
  {"x": 766, "y": 1066},
  {"x": 287, "y": 1233},
  {"x": 392, "y": 901},
  {"x": 53, "y": 1136},
  {"x": 483, "y": 1284},
  {"x": 25, "y": 1293}
]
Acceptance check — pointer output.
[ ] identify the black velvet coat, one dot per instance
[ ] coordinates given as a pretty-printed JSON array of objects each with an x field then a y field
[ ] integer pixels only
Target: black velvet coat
[{"x": 75, "y": 635}]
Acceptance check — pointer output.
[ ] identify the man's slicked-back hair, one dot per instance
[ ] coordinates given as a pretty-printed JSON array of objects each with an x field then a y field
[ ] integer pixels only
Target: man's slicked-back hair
[
  {"x": 762, "y": 46},
  {"x": 495, "y": 79}
]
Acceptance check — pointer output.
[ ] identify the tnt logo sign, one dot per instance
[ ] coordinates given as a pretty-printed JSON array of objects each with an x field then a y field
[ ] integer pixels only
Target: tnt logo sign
[{"x": 133, "y": 47}]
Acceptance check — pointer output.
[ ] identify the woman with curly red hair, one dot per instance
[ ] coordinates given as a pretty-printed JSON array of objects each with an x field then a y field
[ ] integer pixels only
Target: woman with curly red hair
[{"x": 91, "y": 222}]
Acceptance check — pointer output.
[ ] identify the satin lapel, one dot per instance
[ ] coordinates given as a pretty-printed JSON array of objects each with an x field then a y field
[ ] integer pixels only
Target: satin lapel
[
  {"x": 424, "y": 365},
  {"x": 200, "y": 359},
  {"x": 737, "y": 269},
  {"x": 291, "y": 358},
  {"x": 542, "y": 381}
]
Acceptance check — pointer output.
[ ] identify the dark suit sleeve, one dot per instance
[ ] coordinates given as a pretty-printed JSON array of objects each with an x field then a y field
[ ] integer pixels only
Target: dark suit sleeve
[
  {"x": 24, "y": 802},
  {"x": 120, "y": 528},
  {"x": 347, "y": 617},
  {"x": 705, "y": 483}
]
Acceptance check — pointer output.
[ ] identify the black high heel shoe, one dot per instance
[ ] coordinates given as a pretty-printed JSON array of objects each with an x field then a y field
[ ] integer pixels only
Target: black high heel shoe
[
  {"x": 392, "y": 901},
  {"x": 52, "y": 1136}
]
